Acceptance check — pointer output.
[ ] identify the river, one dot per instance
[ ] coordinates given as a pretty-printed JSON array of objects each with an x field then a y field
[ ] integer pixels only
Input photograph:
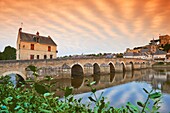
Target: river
[{"x": 120, "y": 88}]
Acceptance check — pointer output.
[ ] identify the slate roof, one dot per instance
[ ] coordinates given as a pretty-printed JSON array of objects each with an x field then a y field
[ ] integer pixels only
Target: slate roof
[
  {"x": 144, "y": 50},
  {"x": 27, "y": 37},
  {"x": 159, "y": 52},
  {"x": 137, "y": 54},
  {"x": 128, "y": 54}
]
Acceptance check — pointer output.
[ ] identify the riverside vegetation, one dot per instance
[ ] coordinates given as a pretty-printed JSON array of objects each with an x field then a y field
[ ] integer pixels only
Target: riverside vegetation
[{"x": 34, "y": 96}]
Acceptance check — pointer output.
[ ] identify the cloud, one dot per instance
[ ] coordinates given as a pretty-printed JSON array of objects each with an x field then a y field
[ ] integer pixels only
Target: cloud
[{"x": 86, "y": 26}]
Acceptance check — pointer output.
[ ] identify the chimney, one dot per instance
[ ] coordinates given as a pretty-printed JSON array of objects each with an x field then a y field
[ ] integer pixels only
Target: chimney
[
  {"x": 20, "y": 29},
  {"x": 37, "y": 33},
  {"x": 49, "y": 37}
]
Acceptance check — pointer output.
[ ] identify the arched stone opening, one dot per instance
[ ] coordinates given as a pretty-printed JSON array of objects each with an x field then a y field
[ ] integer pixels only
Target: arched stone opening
[
  {"x": 76, "y": 70},
  {"x": 132, "y": 65},
  {"x": 112, "y": 68},
  {"x": 15, "y": 77},
  {"x": 96, "y": 69},
  {"x": 123, "y": 67},
  {"x": 19, "y": 74}
]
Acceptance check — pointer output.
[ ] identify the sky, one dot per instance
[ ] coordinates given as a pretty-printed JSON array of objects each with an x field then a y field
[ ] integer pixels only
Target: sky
[{"x": 86, "y": 26}]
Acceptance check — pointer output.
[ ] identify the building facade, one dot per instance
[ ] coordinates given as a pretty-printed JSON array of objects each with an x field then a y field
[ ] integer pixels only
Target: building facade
[
  {"x": 34, "y": 46},
  {"x": 164, "y": 39}
]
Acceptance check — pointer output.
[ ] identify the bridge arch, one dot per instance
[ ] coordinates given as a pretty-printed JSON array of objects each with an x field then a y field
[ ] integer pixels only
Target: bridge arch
[
  {"x": 96, "y": 68},
  {"x": 76, "y": 70},
  {"x": 132, "y": 65},
  {"x": 15, "y": 72},
  {"x": 112, "y": 67},
  {"x": 123, "y": 66}
]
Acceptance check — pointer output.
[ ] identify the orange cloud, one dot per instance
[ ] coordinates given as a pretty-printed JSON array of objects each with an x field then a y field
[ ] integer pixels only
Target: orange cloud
[{"x": 86, "y": 25}]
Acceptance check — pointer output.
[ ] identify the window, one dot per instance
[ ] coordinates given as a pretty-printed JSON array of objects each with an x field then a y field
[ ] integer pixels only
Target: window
[
  {"x": 38, "y": 39},
  {"x": 38, "y": 56},
  {"x": 51, "y": 56},
  {"x": 32, "y": 46},
  {"x": 45, "y": 56},
  {"x": 31, "y": 57},
  {"x": 49, "y": 48}
]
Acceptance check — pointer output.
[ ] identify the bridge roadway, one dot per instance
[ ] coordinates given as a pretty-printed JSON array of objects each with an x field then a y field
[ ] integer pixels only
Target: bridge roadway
[{"x": 66, "y": 68}]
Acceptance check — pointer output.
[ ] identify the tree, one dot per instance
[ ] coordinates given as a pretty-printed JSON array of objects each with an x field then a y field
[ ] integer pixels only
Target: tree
[
  {"x": 9, "y": 53},
  {"x": 119, "y": 55},
  {"x": 1, "y": 56},
  {"x": 166, "y": 47}
]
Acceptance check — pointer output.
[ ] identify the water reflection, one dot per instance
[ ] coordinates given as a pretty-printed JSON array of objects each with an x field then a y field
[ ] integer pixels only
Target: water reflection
[
  {"x": 128, "y": 87},
  {"x": 112, "y": 77},
  {"x": 16, "y": 79},
  {"x": 96, "y": 78},
  {"x": 120, "y": 88},
  {"x": 77, "y": 82}
]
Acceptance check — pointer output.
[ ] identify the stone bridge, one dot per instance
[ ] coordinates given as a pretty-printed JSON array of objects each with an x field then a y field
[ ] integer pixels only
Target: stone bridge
[{"x": 66, "y": 68}]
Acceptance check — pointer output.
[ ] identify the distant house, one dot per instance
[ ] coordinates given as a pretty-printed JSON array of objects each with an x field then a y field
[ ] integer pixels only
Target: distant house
[
  {"x": 138, "y": 55},
  {"x": 128, "y": 55},
  {"x": 159, "y": 55},
  {"x": 34, "y": 46}
]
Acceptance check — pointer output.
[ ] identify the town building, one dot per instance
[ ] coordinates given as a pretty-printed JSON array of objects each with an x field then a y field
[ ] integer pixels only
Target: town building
[
  {"x": 159, "y": 55},
  {"x": 164, "y": 39},
  {"x": 34, "y": 46},
  {"x": 149, "y": 52}
]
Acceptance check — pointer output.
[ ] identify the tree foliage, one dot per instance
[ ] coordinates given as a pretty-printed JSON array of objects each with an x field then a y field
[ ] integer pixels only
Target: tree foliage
[
  {"x": 119, "y": 55},
  {"x": 167, "y": 47},
  {"x": 9, "y": 53},
  {"x": 29, "y": 99}
]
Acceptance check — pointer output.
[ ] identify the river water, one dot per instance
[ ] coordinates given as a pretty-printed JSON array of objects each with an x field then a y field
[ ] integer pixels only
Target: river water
[{"x": 120, "y": 88}]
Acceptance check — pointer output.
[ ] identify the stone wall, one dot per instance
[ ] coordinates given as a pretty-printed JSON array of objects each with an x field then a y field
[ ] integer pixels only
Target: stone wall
[{"x": 61, "y": 68}]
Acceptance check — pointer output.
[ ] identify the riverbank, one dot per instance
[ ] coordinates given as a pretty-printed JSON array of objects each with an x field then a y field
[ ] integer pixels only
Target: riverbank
[{"x": 161, "y": 65}]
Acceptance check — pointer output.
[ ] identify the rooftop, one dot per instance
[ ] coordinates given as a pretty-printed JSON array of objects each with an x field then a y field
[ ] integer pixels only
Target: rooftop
[{"x": 27, "y": 37}]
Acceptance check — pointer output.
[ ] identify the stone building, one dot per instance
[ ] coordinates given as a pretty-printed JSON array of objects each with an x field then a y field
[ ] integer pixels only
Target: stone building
[
  {"x": 164, "y": 39},
  {"x": 34, "y": 46}
]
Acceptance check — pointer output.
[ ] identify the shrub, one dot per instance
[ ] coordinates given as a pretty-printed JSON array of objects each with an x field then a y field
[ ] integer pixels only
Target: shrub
[{"x": 23, "y": 100}]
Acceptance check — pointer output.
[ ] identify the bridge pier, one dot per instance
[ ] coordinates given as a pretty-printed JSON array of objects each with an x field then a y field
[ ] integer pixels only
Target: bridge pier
[
  {"x": 105, "y": 69},
  {"x": 129, "y": 66},
  {"x": 143, "y": 65},
  {"x": 88, "y": 71},
  {"x": 137, "y": 66},
  {"x": 119, "y": 67},
  {"x": 148, "y": 65}
]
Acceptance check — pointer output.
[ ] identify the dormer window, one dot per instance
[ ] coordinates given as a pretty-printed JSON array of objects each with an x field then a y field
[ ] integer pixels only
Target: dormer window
[{"x": 38, "y": 39}]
